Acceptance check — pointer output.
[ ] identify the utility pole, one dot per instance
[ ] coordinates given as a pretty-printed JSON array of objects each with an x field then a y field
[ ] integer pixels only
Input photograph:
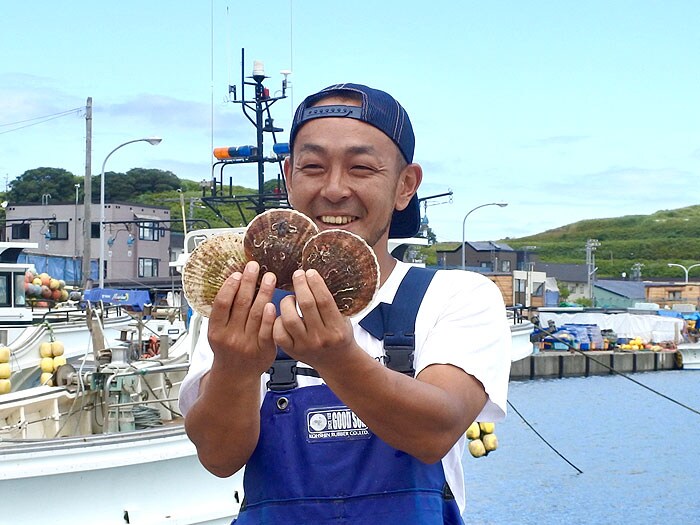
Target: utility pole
[
  {"x": 87, "y": 195},
  {"x": 591, "y": 245}
]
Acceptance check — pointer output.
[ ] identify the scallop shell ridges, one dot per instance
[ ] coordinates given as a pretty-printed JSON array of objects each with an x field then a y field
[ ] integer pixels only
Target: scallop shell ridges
[
  {"x": 275, "y": 239},
  {"x": 348, "y": 266},
  {"x": 208, "y": 266}
]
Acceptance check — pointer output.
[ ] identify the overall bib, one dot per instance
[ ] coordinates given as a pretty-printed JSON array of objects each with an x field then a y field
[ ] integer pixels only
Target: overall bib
[{"x": 316, "y": 462}]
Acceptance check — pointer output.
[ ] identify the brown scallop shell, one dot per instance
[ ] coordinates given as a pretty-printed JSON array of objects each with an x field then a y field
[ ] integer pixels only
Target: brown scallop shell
[
  {"x": 348, "y": 266},
  {"x": 208, "y": 266},
  {"x": 275, "y": 239}
]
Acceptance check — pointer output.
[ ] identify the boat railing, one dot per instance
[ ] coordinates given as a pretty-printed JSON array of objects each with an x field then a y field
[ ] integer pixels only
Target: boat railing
[
  {"x": 77, "y": 314},
  {"x": 515, "y": 313}
]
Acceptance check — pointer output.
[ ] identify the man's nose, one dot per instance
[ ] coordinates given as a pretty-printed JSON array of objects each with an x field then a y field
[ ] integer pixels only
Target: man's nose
[{"x": 337, "y": 186}]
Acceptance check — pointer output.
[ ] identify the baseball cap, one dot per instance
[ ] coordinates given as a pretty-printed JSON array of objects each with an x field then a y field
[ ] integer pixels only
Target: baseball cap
[{"x": 378, "y": 109}]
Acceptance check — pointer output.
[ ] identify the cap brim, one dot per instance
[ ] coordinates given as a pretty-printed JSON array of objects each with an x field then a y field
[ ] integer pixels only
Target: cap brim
[{"x": 406, "y": 223}]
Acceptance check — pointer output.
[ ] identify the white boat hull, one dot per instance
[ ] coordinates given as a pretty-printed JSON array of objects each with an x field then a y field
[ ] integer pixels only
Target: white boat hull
[
  {"x": 690, "y": 355},
  {"x": 146, "y": 477},
  {"x": 521, "y": 345}
]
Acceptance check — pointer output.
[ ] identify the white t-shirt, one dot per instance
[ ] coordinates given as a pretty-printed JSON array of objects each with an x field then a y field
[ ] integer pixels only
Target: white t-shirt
[{"x": 461, "y": 321}]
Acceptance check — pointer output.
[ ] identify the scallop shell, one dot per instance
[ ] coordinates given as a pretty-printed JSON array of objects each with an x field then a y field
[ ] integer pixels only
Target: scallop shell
[
  {"x": 348, "y": 266},
  {"x": 208, "y": 266},
  {"x": 275, "y": 239}
]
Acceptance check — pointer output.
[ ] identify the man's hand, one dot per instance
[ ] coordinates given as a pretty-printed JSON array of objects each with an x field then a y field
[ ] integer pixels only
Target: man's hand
[
  {"x": 241, "y": 321},
  {"x": 321, "y": 334}
]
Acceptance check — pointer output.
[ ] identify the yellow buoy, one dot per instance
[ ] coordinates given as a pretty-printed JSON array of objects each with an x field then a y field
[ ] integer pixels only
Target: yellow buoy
[
  {"x": 473, "y": 431},
  {"x": 45, "y": 349},
  {"x": 5, "y": 371},
  {"x": 59, "y": 360},
  {"x": 57, "y": 348},
  {"x": 5, "y": 386},
  {"x": 487, "y": 428},
  {"x": 476, "y": 448},
  {"x": 4, "y": 354},
  {"x": 47, "y": 364},
  {"x": 490, "y": 442},
  {"x": 46, "y": 379}
]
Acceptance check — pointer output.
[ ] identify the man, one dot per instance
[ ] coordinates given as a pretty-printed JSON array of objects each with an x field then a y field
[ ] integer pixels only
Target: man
[{"x": 360, "y": 442}]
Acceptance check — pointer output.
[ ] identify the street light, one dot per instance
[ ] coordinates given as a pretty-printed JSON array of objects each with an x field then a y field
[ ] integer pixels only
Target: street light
[
  {"x": 685, "y": 269},
  {"x": 154, "y": 141},
  {"x": 500, "y": 204}
]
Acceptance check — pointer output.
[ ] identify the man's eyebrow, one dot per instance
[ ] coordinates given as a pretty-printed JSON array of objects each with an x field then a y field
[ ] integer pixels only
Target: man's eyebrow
[{"x": 310, "y": 147}]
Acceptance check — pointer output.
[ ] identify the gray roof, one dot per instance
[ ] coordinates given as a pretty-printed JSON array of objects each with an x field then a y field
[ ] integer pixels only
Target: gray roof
[
  {"x": 569, "y": 273},
  {"x": 479, "y": 246},
  {"x": 629, "y": 289},
  {"x": 487, "y": 246}
]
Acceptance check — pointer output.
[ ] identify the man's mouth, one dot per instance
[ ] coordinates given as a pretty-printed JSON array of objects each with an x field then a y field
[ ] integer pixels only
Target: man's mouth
[{"x": 337, "y": 220}]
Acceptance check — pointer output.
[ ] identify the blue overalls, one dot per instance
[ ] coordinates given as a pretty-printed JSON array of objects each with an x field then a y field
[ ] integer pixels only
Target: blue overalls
[{"x": 316, "y": 462}]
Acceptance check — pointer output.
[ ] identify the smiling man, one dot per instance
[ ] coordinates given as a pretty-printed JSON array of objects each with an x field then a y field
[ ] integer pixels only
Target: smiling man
[{"x": 365, "y": 430}]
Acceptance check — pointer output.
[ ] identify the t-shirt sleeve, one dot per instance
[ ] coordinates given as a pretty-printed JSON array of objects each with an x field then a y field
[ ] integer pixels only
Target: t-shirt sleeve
[
  {"x": 462, "y": 321},
  {"x": 200, "y": 363}
]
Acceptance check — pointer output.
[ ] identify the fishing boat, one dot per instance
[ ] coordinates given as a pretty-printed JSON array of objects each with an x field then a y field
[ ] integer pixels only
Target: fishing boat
[
  {"x": 24, "y": 327},
  {"x": 107, "y": 445}
]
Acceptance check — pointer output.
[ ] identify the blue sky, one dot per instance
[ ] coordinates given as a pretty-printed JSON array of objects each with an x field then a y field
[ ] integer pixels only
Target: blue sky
[{"x": 564, "y": 110}]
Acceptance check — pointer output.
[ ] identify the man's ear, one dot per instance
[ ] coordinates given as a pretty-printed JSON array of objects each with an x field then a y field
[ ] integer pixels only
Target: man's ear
[
  {"x": 287, "y": 169},
  {"x": 410, "y": 179}
]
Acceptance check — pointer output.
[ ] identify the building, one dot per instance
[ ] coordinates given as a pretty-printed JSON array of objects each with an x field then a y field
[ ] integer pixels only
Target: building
[
  {"x": 478, "y": 256},
  {"x": 668, "y": 294},
  {"x": 137, "y": 241},
  {"x": 618, "y": 294},
  {"x": 573, "y": 276}
]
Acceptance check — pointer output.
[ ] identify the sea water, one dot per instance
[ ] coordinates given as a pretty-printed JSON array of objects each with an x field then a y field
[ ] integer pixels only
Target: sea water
[{"x": 639, "y": 453}]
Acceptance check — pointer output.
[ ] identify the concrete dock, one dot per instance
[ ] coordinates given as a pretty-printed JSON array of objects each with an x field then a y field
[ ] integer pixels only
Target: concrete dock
[{"x": 562, "y": 363}]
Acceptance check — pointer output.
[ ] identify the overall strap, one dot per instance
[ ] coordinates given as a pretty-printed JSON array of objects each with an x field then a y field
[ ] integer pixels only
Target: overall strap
[
  {"x": 400, "y": 319},
  {"x": 284, "y": 371}
]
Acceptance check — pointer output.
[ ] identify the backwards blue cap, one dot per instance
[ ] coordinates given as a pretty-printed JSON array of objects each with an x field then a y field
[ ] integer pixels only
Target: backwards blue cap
[{"x": 378, "y": 109}]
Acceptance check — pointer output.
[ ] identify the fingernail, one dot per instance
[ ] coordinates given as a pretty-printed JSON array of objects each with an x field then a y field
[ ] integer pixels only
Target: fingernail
[
  {"x": 311, "y": 273},
  {"x": 251, "y": 267},
  {"x": 268, "y": 278},
  {"x": 236, "y": 276},
  {"x": 298, "y": 273}
]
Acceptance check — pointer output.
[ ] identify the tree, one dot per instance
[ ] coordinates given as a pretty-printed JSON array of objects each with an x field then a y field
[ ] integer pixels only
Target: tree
[
  {"x": 127, "y": 187},
  {"x": 33, "y": 185}
]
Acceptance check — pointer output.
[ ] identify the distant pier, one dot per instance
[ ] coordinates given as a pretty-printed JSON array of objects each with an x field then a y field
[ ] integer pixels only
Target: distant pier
[{"x": 560, "y": 363}]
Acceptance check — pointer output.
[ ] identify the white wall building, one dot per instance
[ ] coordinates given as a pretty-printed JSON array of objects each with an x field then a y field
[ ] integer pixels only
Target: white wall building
[{"x": 137, "y": 241}]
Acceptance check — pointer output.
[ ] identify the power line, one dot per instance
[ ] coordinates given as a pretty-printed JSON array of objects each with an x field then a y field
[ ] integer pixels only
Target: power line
[{"x": 41, "y": 120}]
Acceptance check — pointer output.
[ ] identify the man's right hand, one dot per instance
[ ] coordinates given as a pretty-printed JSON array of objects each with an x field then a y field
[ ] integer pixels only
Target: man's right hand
[{"x": 240, "y": 325}]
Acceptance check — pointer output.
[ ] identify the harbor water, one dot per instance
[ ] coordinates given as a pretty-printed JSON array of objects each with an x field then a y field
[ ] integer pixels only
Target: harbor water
[{"x": 639, "y": 453}]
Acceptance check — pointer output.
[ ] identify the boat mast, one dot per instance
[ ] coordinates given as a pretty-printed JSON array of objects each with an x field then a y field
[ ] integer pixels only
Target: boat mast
[{"x": 215, "y": 193}]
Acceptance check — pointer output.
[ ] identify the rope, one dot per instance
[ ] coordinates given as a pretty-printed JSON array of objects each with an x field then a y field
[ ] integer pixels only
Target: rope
[
  {"x": 543, "y": 439},
  {"x": 574, "y": 349}
]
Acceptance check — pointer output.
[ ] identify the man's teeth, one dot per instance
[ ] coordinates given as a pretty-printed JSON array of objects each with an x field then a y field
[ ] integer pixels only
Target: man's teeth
[{"x": 330, "y": 219}]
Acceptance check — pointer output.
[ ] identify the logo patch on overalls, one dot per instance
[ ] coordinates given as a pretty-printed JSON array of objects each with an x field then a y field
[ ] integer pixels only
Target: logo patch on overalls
[{"x": 333, "y": 424}]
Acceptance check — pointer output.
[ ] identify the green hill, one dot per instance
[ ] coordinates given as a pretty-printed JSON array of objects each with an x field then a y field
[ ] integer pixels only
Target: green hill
[{"x": 651, "y": 240}]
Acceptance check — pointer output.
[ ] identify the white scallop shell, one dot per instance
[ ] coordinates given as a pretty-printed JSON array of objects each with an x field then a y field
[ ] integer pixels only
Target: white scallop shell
[{"x": 208, "y": 266}]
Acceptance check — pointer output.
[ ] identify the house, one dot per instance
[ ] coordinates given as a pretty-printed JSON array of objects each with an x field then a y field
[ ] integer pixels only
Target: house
[
  {"x": 137, "y": 241},
  {"x": 478, "y": 256},
  {"x": 668, "y": 294},
  {"x": 573, "y": 276},
  {"x": 618, "y": 294}
]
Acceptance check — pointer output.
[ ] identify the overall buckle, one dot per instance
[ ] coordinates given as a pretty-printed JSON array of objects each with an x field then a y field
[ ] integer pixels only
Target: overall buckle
[
  {"x": 283, "y": 375},
  {"x": 399, "y": 352}
]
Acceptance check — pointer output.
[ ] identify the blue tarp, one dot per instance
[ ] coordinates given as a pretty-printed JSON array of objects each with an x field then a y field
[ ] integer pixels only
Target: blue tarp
[{"x": 136, "y": 299}]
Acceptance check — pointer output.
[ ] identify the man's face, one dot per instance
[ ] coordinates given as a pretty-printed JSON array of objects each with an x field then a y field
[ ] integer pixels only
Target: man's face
[{"x": 346, "y": 174}]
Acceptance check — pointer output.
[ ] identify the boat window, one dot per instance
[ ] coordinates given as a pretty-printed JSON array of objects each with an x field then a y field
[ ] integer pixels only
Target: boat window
[
  {"x": 20, "y": 298},
  {"x": 5, "y": 285}
]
